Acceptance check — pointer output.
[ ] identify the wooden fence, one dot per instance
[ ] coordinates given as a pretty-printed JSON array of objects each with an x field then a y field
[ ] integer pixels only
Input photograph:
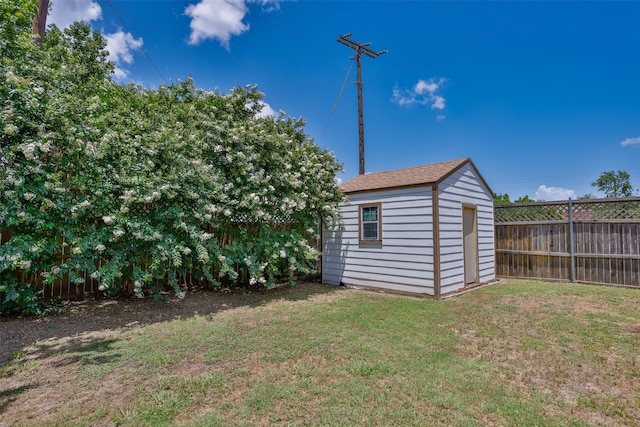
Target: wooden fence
[
  {"x": 82, "y": 285},
  {"x": 587, "y": 241}
]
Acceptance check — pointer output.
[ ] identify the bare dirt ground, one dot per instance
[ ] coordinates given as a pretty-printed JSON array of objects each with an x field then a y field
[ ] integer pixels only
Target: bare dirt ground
[{"x": 96, "y": 315}]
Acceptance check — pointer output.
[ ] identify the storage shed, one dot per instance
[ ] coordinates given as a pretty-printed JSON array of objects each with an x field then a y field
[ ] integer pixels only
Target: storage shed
[{"x": 426, "y": 229}]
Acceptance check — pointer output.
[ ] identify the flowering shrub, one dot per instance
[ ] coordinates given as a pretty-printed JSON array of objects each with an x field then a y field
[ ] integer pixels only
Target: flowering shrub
[{"x": 139, "y": 185}]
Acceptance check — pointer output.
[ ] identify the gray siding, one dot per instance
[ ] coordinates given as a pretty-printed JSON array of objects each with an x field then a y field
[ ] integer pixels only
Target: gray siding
[
  {"x": 464, "y": 187},
  {"x": 404, "y": 261}
]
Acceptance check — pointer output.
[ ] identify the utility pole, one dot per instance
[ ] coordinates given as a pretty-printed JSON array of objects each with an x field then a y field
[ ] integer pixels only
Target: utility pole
[
  {"x": 40, "y": 21},
  {"x": 360, "y": 49}
]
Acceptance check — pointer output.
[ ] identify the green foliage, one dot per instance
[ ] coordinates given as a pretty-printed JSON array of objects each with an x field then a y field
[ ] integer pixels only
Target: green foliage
[
  {"x": 18, "y": 298},
  {"x": 614, "y": 184},
  {"x": 501, "y": 199},
  {"x": 15, "y": 16},
  {"x": 524, "y": 199},
  {"x": 138, "y": 186}
]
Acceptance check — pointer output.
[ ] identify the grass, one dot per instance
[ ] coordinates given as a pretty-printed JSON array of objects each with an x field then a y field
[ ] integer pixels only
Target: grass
[{"x": 519, "y": 353}]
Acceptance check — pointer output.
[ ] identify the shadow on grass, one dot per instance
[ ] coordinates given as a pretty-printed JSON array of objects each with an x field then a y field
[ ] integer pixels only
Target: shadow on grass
[
  {"x": 83, "y": 317},
  {"x": 10, "y": 395},
  {"x": 85, "y": 351}
]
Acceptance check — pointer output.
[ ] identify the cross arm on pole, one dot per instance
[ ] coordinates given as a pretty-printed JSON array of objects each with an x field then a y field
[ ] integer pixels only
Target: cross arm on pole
[{"x": 359, "y": 47}]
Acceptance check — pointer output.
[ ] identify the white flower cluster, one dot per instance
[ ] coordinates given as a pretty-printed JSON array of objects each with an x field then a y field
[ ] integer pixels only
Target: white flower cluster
[
  {"x": 11, "y": 78},
  {"x": 194, "y": 182}
]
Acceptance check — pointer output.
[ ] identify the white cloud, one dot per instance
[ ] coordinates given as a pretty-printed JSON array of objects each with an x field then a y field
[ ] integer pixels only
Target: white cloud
[
  {"x": 65, "y": 12},
  {"x": 423, "y": 87},
  {"x": 216, "y": 19},
  {"x": 222, "y": 19},
  {"x": 266, "y": 110},
  {"x": 438, "y": 103},
  {"x": 423, "y": 93},
  {"x": 554, "y": 193},
  {"x": 121, "y": 46},
  {"x": 268, "y": 6},
  {"x": 630, "y": 141}
]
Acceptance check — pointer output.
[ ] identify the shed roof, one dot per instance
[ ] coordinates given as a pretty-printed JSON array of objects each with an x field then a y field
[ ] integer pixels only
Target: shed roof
[{"x": 418, "y": 175}]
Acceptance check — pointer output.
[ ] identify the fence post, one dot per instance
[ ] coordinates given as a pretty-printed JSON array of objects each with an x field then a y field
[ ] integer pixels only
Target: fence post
[{"x": 572, "y": 249}]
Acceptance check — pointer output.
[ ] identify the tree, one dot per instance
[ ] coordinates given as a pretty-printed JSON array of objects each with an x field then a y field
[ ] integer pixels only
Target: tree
[
  {"x": 614, "y": 185},
  {"x": 501, "y": 199},
  {"x": 524, "y": 199},
  {"x": 138, "y": 186}
]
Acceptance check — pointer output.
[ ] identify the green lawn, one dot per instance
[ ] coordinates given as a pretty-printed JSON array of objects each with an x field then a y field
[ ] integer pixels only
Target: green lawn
[{"x": 519, "y": 353}]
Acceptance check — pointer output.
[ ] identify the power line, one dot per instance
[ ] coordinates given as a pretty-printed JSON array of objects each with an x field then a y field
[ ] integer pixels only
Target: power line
[
  {"x": 231, "y": 57},
  {"x": 274, "y": 25},
  {"x": 335, "y": 105},
  {"x": 144, "y": 52},
  {"x": 344, "y": 83}
]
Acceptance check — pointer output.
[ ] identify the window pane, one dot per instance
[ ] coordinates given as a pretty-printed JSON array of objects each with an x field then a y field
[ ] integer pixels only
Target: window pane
[
  {"x": 370, "y": 223},
  {"x": 370, "y": 231},
  {"x": 370, "y": 214}
]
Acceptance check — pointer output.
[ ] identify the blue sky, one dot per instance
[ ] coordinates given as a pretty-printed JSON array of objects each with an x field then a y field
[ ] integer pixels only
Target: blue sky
[{"x": 543, "y": 96}]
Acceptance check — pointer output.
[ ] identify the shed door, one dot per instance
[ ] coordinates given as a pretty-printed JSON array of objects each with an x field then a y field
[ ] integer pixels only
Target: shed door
[{"x": 470, "y": 234}]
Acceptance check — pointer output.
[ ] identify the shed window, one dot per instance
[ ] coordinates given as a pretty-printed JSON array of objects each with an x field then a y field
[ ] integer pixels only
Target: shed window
[{"x": 371, "y": 223}]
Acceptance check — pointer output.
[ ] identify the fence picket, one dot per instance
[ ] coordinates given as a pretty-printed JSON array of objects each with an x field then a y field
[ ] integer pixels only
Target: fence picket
[
  {"x": 590, "y": 241},
  {"x": 532, "y": 240}
]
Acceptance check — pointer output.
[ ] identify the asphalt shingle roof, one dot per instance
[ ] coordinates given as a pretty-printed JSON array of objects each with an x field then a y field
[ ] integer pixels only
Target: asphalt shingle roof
[{"x": 417, "y": 175}]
